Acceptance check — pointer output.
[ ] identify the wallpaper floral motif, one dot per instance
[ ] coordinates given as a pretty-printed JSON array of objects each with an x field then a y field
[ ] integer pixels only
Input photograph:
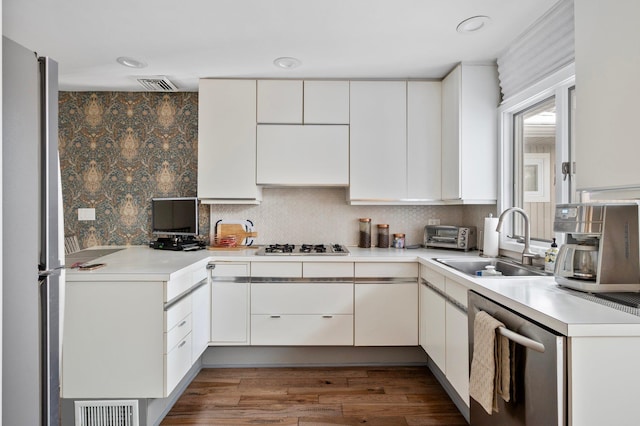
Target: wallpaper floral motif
[{"x": 117, "y": 151}]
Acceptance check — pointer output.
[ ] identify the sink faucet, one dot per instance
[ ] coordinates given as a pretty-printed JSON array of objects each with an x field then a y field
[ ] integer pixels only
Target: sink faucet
[{"x": 527, "y": 254}]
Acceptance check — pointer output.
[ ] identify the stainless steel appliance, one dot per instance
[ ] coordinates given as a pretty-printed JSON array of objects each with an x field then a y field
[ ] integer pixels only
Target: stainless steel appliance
[
  {"x": 602, "y": 250},
  {"x": 447, "y": 236},
  {"x": 303, "y": 249},
  {"x": 32, "y": 254},
  {"x": 538, "y": 370}
]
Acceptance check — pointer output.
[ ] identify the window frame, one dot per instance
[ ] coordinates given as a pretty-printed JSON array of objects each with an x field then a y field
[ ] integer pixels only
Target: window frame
[{"x": 555, "y": 85}]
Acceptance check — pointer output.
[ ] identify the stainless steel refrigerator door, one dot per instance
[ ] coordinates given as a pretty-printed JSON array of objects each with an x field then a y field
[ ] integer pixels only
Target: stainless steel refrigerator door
[{"x": 29, "y": 333}]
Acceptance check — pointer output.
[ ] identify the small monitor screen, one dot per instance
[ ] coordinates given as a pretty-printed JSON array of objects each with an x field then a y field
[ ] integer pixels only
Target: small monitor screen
[{"x": 174, "y": 216}]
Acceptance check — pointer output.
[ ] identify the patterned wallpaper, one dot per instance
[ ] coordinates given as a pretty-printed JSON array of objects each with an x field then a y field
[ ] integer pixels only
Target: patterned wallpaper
[{"x": 117, "y": 151}]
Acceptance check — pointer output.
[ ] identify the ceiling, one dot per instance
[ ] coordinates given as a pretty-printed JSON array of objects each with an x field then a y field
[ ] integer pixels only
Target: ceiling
[{"x": 191, "y": 39}]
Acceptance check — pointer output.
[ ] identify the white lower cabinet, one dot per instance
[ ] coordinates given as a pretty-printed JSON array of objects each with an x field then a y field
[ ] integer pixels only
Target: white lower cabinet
[
  {"x": 230, "y": 304},
  {"x": 432, "y": 314},
  {"x": 296, "y": 303},
  {"x": 457, "y": 350},
  {"x": 386, "y": 314},
  {"x": 386, "y": 304},
  {"x": 444, "y": 319},
  {"x": 201, "y": 313},
  {"x": 130, "y": 339},
  {"x": 302, "y": 329},
  {"x": 297, "y": 313}
]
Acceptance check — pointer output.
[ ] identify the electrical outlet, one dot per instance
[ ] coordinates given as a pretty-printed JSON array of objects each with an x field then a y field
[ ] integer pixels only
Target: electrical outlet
[
  {"x": 86, "y": 214},
  {"x": 433, "y": 222}
]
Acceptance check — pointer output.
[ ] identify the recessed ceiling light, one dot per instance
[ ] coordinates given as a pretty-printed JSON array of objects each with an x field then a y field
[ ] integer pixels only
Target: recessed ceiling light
[
  {"x": 473, "y": 24},
  {"x": 287, "y": 62},
  {"x": 130, "y": 62}
]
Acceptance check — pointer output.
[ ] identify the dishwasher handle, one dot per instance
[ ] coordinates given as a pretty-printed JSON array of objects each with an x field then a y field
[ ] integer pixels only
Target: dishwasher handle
[{"x": 521, "y": 340}]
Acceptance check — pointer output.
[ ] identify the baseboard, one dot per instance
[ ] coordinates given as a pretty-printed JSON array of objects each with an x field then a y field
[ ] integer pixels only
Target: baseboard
[{"x": 440, "y": 376}]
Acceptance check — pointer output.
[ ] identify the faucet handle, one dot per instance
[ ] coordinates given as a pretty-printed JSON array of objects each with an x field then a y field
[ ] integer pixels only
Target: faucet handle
[{"x": 528, "y": 258}]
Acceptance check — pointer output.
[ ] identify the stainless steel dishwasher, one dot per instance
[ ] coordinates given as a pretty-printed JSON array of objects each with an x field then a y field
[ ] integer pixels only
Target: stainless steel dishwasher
[{"x": 539, "y": 373}]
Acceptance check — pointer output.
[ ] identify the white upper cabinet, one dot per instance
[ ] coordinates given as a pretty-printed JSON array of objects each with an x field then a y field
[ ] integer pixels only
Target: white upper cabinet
[
  {"x": 607, "y": 93},
  {"x": 227, "y": 142},
  {"x": 378, "y": 140},
  {"x": 280, "y": 101},
  {"x": 303, "y": 155},
  {"x": 298, "y": 102},
  {"x": 470, "y": 98},
  {"x": 395, "y": 142},
  {"x": 423, "y": 140},
  {"x": 326, "y": 102}
]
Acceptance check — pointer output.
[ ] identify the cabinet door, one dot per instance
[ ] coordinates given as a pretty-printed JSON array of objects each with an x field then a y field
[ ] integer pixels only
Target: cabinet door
[
  {"x": 386, "y": 314},
  {"x": 434, "y": 320},
  {"x": 451, "y": 86},
  {"x": 201, "y": 320},
  {"x": 424, "y": 100},
  {"x": 457, "y": 350},
  {"x": 303, "y": 155},
  {"x": 229, "y": 313},
  {"x": 326, "y": 102},
  {"x": 378, "y": 140},
  {"x": 280, "y": 101},
  {"x": 227, "y": 141},
  {"x": 470, "y": 98}
]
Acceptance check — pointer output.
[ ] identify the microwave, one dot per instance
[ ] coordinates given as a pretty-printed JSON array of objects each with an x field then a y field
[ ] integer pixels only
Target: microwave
[{"x": 453, "y": 237}]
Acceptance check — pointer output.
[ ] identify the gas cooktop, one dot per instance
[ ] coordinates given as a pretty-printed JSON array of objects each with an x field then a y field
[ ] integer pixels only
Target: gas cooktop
[{"x": 303, "y": 249}]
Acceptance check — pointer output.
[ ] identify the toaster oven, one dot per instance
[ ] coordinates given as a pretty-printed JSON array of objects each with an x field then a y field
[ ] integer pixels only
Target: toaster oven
[{"x": 453, "y": 237}]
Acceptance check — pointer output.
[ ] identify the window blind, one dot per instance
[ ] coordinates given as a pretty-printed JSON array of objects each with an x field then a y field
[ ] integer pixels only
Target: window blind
[{"x": 541, "y": 50}]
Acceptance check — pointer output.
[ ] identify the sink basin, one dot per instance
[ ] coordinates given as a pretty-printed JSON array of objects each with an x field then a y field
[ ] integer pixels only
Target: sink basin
[{"x": 508, "y": 268}]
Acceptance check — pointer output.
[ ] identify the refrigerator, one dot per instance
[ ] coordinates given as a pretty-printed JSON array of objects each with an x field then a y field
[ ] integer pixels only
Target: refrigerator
[{"x": 32, "y": 259}]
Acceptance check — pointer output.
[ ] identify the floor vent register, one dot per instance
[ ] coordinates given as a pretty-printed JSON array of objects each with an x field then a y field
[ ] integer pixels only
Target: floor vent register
[{"x": 107, "y": 413}]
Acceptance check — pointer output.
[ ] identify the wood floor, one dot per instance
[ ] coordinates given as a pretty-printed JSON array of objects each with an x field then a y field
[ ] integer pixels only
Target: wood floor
[{"x": 385, "y": 396}]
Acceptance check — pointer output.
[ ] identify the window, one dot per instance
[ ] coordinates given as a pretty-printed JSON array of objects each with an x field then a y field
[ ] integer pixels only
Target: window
[{"x": 536, "y": 158}]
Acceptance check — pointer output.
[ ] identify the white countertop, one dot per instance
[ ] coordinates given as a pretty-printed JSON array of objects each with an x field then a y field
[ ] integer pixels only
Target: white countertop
[{"x": 538, "y": 298}]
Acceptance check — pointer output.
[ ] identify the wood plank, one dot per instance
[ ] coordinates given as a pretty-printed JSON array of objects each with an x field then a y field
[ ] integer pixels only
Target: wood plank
[{"x": 384, "y": 396}]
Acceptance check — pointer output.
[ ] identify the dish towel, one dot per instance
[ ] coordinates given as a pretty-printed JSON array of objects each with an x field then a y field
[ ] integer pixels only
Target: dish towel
[{"x": 490, "y": 374}]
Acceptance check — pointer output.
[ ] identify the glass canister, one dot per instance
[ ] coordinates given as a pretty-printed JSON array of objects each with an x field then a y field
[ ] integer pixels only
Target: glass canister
[
  {"x": 398, "y": 240},
  {"x": 383, "y": 235},
  {"x": 365, "y": 233}
]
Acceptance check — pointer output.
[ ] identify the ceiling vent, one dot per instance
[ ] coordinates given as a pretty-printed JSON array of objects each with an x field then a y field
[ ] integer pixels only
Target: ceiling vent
[{"x": 157, "y": 84}]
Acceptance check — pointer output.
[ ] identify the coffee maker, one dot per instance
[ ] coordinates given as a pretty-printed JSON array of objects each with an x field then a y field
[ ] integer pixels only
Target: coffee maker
[{"x": 602, "y": 251}]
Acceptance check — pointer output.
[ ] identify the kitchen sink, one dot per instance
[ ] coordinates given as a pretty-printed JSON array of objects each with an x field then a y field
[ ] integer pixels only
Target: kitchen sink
[{"x": 508, "y": 268}]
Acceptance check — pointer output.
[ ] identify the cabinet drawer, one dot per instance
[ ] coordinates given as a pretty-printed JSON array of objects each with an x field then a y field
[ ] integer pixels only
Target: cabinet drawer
[
  {"x": 178, "y": 285},
  {"x": 327, "y": 269},
  {"x": 456, "y": 291},
  {"x": 390, "y": 269},
  {"x": 276, "y": 269},
  {"x": 178, "y": 363},
  {"x": 299, "y": 298},
  {"x": 432, "y": 277},
  {"x": 177, "y": 333},
  {"x": 177, "y": 312},
  {"x": 312, "y": 330},
  {"x": 231, "y": 270}
]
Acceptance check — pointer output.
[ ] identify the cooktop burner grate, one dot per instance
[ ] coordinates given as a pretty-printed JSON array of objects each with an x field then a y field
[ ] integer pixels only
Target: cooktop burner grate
[{"x": 303, "y": 249}]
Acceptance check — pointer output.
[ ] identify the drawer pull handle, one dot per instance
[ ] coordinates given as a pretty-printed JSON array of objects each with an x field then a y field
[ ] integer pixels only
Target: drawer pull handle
[
  {"x": 275, "y": 316},
  {"x": 182, "y": 323},
  {"x": 327, "y": 316},
  {"x": 184, "y": 342}
]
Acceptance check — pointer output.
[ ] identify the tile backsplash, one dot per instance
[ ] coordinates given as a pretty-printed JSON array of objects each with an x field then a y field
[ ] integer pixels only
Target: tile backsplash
[{"x": 322, "y": 215}]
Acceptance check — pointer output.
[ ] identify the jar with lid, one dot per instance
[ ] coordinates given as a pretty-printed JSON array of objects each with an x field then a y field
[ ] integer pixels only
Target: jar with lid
[
  {"x": 365, "y": 233},
  {"x": 398, "y": 240},
  {"x": 383, "y": 235}
]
